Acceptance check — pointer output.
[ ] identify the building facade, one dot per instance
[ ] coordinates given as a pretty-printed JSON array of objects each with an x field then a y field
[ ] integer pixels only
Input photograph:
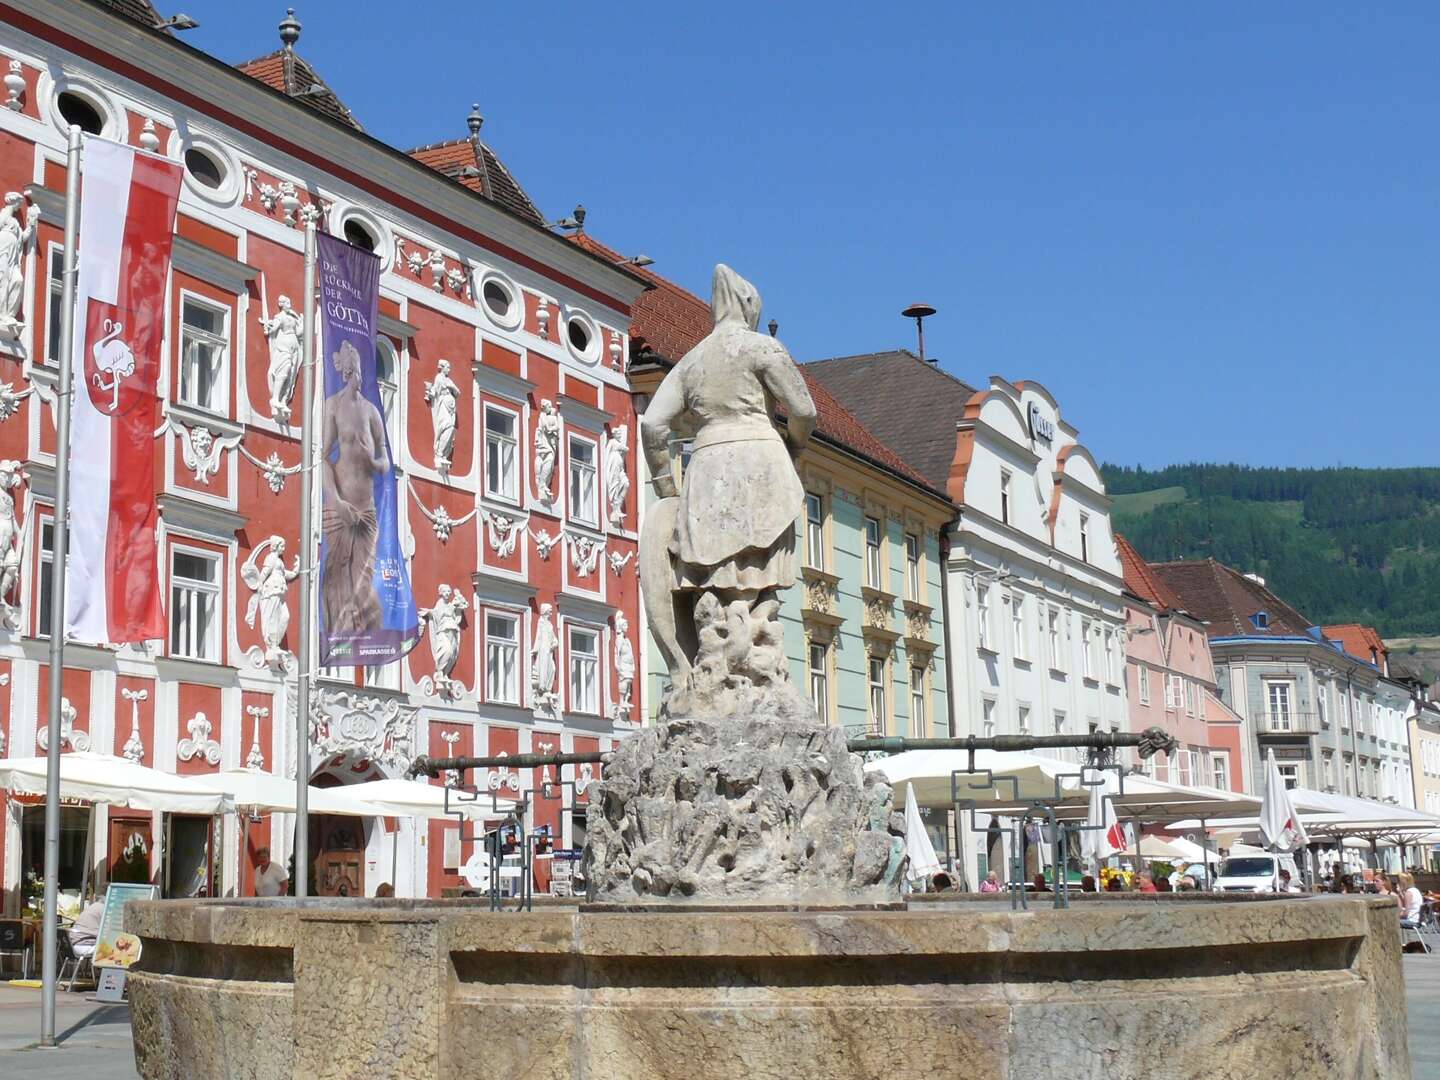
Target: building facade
[
  {"x": 1423, "y": 726},
  {"x": 501, "y": 368},
  {"x": 864, "y": 627}
]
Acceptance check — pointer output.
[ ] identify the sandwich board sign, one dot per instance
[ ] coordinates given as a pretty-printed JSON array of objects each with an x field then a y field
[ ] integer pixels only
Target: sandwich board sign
[{"x": 115, "y": 950}]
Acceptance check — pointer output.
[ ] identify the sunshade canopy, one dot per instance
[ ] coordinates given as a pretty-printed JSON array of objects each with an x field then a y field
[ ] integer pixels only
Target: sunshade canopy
[
  {"x": 415, "y": 798},
  {"x": 266, "y": 793},
  {"x": 118, "y": 781}
]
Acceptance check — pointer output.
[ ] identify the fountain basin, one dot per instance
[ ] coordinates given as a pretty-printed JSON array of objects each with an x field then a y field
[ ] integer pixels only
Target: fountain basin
[{"x": 1115, "y": 986}]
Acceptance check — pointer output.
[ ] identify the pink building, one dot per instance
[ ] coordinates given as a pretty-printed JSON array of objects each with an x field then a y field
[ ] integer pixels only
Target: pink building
[{"x": 1170, "y": 681}]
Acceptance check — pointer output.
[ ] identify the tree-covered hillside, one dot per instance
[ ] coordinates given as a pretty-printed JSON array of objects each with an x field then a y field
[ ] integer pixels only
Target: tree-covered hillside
[{"x": 1342, "y": 545}]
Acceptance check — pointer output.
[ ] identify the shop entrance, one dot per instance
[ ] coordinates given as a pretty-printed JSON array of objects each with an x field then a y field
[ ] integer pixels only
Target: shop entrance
[{"x": 337, "y": 841}]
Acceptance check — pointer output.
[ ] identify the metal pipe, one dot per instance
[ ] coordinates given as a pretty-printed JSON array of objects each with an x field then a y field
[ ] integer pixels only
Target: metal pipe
[
  {"x": 307, "y": 569},
  {"x": 59, "y": 550},
  {"x": 432, "y": 767}
]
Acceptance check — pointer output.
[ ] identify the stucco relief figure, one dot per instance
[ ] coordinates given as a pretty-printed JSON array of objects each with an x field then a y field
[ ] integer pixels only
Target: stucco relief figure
[
  {"x": 270, "y": 580},
  {"x": 11, "y": 473},
  {"x": 617, "y": 479},
  {"x": 544, "y": 647},
  {"x": 445, "y": 621},
  {"x": 547, "y": 450},
  {"x": 17, "y": 233},
  {"x": 443, "y": 397},
  {"x": 717, "y": 550},
  {"x": 624, "y": 667},
  {"x": 283, "y": 330},
  {"x": 354, "y": 433}
]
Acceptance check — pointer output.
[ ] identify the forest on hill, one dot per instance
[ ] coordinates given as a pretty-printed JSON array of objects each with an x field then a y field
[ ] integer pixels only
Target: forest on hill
[{"x": 1339, "y": 544}]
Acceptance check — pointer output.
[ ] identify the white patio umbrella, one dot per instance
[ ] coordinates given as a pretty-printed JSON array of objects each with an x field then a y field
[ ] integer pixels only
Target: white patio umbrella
[
  {"x": 1103, "y": 835},
  {"x": 1280, "y": 826},
  {"x": 417, "y": 799},
  {"x": 928, "y": 773},
  {"x": 118, "y": 781},
  {"x": 918, "y": 847},
  {"x": 260, "y": 792},
  {"x": 1155, "y": 847}
]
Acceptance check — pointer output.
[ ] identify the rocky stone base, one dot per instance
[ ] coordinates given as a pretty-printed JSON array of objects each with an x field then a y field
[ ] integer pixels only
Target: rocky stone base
[{"x": 757, "y": 808}]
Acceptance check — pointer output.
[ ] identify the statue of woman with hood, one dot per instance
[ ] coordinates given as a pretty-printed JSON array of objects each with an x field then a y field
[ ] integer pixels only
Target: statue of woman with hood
[{"x": 720, "y": 546}]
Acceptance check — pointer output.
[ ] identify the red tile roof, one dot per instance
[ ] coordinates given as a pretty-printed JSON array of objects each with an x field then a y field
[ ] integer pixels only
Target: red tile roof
[
  {"x": 1361, "y": 642},
  {"x": 1142, "y": 581},
  {"x": 487, "y": 174},
  {"x": 667, "y": 321},
  {"x": 285, "y": 70},
  {"x": 1225, "y": 599}
]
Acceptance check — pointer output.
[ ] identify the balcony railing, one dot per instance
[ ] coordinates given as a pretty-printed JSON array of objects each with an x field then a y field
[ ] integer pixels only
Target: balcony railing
[{"x": 1293, "y": 722}]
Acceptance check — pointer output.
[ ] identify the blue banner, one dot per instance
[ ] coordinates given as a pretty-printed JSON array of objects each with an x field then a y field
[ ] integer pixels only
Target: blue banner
[{"x": 367, "y": 611}]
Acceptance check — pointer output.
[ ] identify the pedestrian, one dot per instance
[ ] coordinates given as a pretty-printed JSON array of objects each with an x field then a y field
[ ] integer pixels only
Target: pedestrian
[
  {"x": 991, "y": 883},
  {"x": 1145, "y": 883},
  {"x": 384, "y": 891},
  {"x": 270, "y": 878}
]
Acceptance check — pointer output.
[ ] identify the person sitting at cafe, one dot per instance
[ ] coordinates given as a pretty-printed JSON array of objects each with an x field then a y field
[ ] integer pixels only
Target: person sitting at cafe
[
  {"x": 1039, "y": 884},
  {"x": 270, "y": 878},
  {"x": 1145, "y": 883},
  {"x": 86, "y": 928},
  {"x": 991, "y": 883},
  {"x": 1410, "y": 902},
  {"x": 1187, "y": 884},
  {"x": 1087, "y": 884}
]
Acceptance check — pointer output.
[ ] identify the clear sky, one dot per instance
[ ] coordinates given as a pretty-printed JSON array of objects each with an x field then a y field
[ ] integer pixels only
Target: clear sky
[{"x": 1211, "y": 230}]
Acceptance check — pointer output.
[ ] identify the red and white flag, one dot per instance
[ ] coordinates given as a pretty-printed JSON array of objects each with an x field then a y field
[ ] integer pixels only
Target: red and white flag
[
  {"x": 1103, "y": 835},
  {"x": 127, "y": 220}
]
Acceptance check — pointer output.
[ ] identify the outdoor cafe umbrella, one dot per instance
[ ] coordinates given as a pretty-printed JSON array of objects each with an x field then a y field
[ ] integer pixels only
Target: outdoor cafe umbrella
[
  {"x": 255, "y": 791},
  {"x": 118, "y": 781},
  {"x": 1280, "y": 826},
  {"x": 918, "y": 847},
  {"x": 417, "y": 799}
]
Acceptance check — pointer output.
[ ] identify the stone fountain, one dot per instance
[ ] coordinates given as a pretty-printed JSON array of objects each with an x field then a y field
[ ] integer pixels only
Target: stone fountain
[{"x": 743, "y": 917}]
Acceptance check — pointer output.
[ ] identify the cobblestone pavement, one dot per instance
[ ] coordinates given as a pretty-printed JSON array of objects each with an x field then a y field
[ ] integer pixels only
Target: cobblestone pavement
[{"x": 95, "y": 1039}]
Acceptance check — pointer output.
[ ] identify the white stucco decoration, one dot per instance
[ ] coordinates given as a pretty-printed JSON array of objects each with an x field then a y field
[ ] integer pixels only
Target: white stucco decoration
[
  {"x": 200, "y": 448},
  {"x": 282, "y": 330},
  {"x": 255, "y": 759},
  {"x": 70, "y": 735},
  {"x": 618, "y": 561},
  {"x": 617, "y": 479},
  {"x": 134, "y": 748},
  {"x": 443, "y": 397},
  {"x": 584, "y": 553},
  {"x": 272, "y": 468},
  {"x": 624, "y": 660},
  {"x": 545, "y": 543},
  {"x": 199, "y": 744},
  {"x": 17, "y": 236},
  {"x": 11, "y": 475},
  {"x": 504, "y": 531},
  {"x": 544, "y": 650},
  {"x": 440, "y": 520},
  {"x": 547, "y": 450},
  {"x": 264, "y": 572},
  {"x": 445, "y": 620}
]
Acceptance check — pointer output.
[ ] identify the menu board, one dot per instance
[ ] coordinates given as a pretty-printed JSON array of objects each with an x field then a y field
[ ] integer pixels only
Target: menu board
[{"x": 114, "y": 947}]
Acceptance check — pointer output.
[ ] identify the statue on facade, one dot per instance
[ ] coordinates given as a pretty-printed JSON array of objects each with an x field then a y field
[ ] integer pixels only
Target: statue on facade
[
  {"x": 547, "y": 450},
  {"x": 624, "y": 667},
  {"x": 17, "y": 233},
  {"x": 543, "y": 649},
  {"x": 617, "y": 479},
  {"x": 443, "y": 397},
  {"x": 11, "y": 474},
  {"x": 283, "y": 330},
  {"x": 739, "y": 792},
  {"x": 445, "y": 619},
  {"x": 265, "y": 573}
]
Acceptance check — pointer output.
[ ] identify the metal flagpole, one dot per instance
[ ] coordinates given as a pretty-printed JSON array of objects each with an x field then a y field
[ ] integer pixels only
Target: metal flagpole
[
  {"x": 57, "y": 589},
  {"x": 307, "y": 568}
]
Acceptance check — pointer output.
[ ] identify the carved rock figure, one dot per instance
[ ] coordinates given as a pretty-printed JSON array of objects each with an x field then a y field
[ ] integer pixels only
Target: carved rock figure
[
  {"x": 543, "y": 648},
  {"x": 445, "y": 619},
  {"x": 283, "y": 330},
  {"x": 443, "y": 397},
  {"x": 11, "y": 473},
  {"x": 16, "y": 236},
  {"x": 624, "y": 666},
  {"x": 270, "y": 581},
  {"x": 617, "y": 480},
  {"x": 547, "y": 450}
]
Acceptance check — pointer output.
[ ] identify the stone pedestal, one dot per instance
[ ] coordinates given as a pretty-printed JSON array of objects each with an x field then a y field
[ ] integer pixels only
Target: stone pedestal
[{"x": 1115, "y": 987}]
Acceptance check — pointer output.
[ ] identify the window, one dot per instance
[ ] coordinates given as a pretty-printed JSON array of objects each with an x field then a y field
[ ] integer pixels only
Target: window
[
  {"x": 1143, "y": 679},
  {"x": 383, "y": 676},
  {"x": 502, "y": 657},
  {"x": 987, "y": 714},
  {"x": 877, "y": 693},
  {"x": 502, "y": 455},
  {"x": 1172, "y": 700},
  {"x": 500, "y": 301},
  {"x": 1022, "y": 719},
  {"x": 982, "y": 610},
  {"x": 1220, "y": 771},
  {"x": 56, "y": 274},
  {"x": 582, "y": 481},
  {"x": 387, "y": 378},
  {"x": 1278, "y": 696},
  {"x": 204, "y": 167},
  {"x": 1059, "y": 722},
  {"x": 47, "y": 577},
  {"x": 1290, "y": 776},
  {"x": 194, "y": 602},
  {"x": 1017, "y": 625},
  {"x": 1346, "y": 713},
  {"x": 820, "y": 681},
  {"x": 914, "y": 590},
  {"x": 1347, "y": 780},
  {"x": 814, "y": 531},
  {"x": 1109, "y": 646},
  {"x": 579, "y": 335},
  {"x": 357, "y": 234},
  {"x": 203, "y": 342},
  {"x": 80, "y": 111},
  {"x": 1084, "y": 537},
  {"x": 584, "y": 670},
  {"x": 919, "y": 714},
  {"x": 1189, "y": 698},
  {"x": 1087, "y": 640},
  {"x": 1055, "y": 639},
  {"x": 1005, "y": 496},
  {"x": 874, "y": 575},
  {"x": 1322, "y": 703}
]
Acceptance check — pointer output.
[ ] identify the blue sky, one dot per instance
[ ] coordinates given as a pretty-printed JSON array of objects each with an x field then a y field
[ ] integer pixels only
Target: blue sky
[{"x": 1211, "y": 231}]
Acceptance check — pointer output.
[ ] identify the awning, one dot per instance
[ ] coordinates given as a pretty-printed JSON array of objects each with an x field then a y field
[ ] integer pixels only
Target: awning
[
  {"x": 118, "y": 781},
  {"x": 260, "y": 792},
  {"x": 415, "y": 798}
]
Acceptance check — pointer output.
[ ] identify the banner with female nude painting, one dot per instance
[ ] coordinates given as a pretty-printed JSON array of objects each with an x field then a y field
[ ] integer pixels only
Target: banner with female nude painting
[{"x": 367, "y": 611}]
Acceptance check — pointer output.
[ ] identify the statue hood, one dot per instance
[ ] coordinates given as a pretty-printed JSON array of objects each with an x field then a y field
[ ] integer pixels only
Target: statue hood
[{"x": 732, "y": 297}]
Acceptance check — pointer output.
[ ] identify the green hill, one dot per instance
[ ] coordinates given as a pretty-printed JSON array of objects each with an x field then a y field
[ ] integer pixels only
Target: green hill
[{"x": 1342, "y": 545}]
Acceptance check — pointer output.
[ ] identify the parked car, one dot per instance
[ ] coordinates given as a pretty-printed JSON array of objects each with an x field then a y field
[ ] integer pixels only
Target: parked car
[{"x": 1254, "y": 873}]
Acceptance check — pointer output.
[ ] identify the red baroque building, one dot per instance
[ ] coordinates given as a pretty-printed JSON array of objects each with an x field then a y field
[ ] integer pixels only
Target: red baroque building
[{"x": 528, "y": 514}]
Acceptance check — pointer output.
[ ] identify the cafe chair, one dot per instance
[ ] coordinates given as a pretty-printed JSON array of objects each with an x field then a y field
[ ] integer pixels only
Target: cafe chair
[
  {"x": 14, "y": 941},
  {"x": 68, "y": 956}
]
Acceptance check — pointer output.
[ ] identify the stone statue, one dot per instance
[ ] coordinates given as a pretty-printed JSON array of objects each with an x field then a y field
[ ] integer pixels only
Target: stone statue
[
  {"x": 443, "y": 397},
  {"x": 16, "y": 236},
  {"x": 270, "y": 581},
  {"x": 624, "y": 667},
  {"x": 445, "y": 620},
  {"x": 283, "y": 331},
  {"x": 617, "y": 480},
  {"x": 11, "y": 474},
  {"x": 739, "y": 792},
  {"x": 547, "y": 450},
  {"x": 543, "y": 649}
]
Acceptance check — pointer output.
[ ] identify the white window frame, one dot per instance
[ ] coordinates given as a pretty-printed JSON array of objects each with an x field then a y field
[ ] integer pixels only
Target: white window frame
[
  {"x": 1087, "y": 651},
  {"x": 914, "y": 569},
  {"x": 496, "y": 650},
  {"x": 1220, "y": 771},
  {"x": 508, "y": 491},
  {"x": 987, "y": 716},
  {"x": 1005, "y": 476},
  {"x": 1056, "y": 653},
  {"x": 1018, "y": 630},
  {"x": 1107, "y": 643},
  {"x": 382, "y": 676},
  {"x": 1189, "y": 698},
  {"x": 389, "y": 390},
  {"x": 874, "y": 552},
  {"x": 585, "y": 511},
  {"x": 1022, "y": 719},
  {"x": 1279, "y": 691},
  {"x": 919, "y": 701},
  {"x": 1289, "y": 775},
  {"x": 879, "y": 691},
  {"x": 1322, "y": 702},
  {"x": 815, "y": 531},
  {"x": 47, "y": 562},
  {"x": 982, "y": 614},
  {"x": 210, "y": 650},
  {"x": 1142, "y": 681},
  {"x": 55, "y": 285},
  {"x": 582, "y": 699},
  {"x": 1085, "y": 538},
  {"x": 190, "y": 337},
  {"x": 818, "y": 663}
]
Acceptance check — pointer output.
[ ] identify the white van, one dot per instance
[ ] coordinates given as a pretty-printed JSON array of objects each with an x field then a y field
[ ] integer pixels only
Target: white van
[{"x": 1254, "y": 873}]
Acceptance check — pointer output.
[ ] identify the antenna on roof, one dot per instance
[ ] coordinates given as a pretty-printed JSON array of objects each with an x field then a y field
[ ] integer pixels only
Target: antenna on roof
[
  {"x": 474, "y": 122},
  {"x": 289, "y": 30},
  {"x": 919, "y": 312},
  {"x": 575, "y": 221}
]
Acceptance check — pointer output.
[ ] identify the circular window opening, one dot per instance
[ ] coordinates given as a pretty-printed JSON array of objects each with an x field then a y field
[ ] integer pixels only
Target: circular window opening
[
  {"x": 498, "y": 298},
  {"x": 204, "y": 168},
  {"x": 78, "y": 111},
  {"x": 579, "y": 335},
  {"x": 359, "y": 235}
]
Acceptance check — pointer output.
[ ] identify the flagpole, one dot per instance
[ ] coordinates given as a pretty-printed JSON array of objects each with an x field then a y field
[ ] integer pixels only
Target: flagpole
[
  {"x": 57, "y": 589},
  {"x": 307, "y": 567}
]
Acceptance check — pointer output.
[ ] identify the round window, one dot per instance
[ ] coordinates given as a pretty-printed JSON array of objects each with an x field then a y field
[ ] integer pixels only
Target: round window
[
  {"x": 498, "y": 298},
  {"x": 579, "y": 335},
  {"x": 80, "y": 111},
  {"x": 359, "y": 235},
  {"x": 206, "y": 169}
]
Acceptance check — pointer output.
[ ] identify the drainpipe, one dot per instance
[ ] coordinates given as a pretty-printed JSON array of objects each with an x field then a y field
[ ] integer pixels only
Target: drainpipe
[
  {"x": 950, "y": 689},
  {"x": 1354, "y": 723}
]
